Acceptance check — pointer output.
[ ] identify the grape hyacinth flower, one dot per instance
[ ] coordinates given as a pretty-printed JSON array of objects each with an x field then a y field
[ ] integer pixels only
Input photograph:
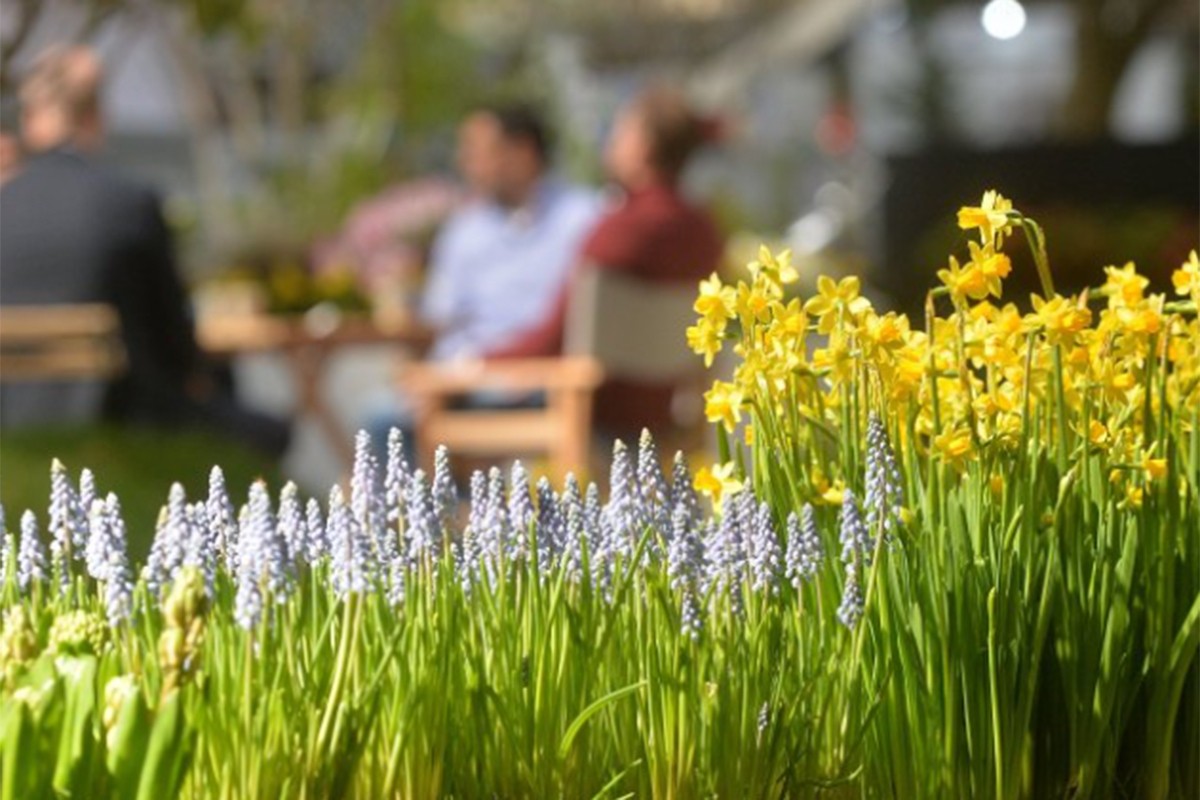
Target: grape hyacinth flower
[
  {"x": 200, "y": 546},
  {"x": 118, "y": 584},
  {"x": 260, "y": 558},
  {"x": 762, "y": 549},
  {"x": 850, "y": 610},
  {"x": 367, "y": 503},
  {"x": 623, "y": 513},
  {"x": 293, "y": 527},
  {"x": 764, "y": 719},
  {"x": 691, "y": 616},
  {"x": 652, "y": 484},
  {"x": 445, "y": 492},
  {"x": 574, "y": 530},
  {"x": 493, "y": 536},
  {"x": 685, "y": 551},
  {"x": 723, "y": 550},
  {"x": 854, "y": 535},
  {"x": 153, "y": 571},
  {"x": 884, "y": 496},
  {"x": 682, "y": 491},
  {"x": 804, "y": 551},
  {"x": 467, "y": 562},
  {"x": 177, "y": 532},
  {"x": 396, "y": 477},
  {"x": 222, "y": 521},
  {"x": 521, "y": 513},
  {"x": 87, "y": 489},
  {"x": 67, "y": 524},
  {"x": 348, "y": 549},
  {"x": 421, "y": 526},
  {"x": 318, "y": 542},
  {"x": 100, "y": 542},
  {"x": 550, "y": 525},
  {"x": 248, "y": 599},
  {"x": 31, "y": 556}
]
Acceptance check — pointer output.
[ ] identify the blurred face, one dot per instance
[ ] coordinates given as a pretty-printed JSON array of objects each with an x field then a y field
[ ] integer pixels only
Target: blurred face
[
  {"x": 481, "y": 153},
  {"x": 497, "y": 167},
  {"x": 627, "y": 156}
]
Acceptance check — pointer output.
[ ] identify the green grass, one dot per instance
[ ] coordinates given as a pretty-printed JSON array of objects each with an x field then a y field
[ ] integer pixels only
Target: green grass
[{"x": 137, "y": 463}]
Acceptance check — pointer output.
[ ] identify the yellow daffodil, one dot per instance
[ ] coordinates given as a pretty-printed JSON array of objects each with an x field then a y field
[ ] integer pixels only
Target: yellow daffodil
[
  {"x": 753, "y": 302},
  {"x": 716, "y": 482},
  {"x": 705, "y": 339},
  {"x": 833, "y": 297},
  {"x": 954, "y": 446},
  {"x": 990, "y": 217},
  {"x": 1155, "y": 468},
  {"x": 716, "y": 300},
  {"x": 1186, "y": 279},
  {"x": 1061, "y": 318},
  {"x": 723, "y": 403},
  {"x": 964, "y": 281},
  {"x": 775, "y": 267},
  {"x": 1123, "y": 286}
]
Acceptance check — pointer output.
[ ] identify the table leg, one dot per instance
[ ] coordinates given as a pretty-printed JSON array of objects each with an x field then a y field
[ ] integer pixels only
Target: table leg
[{"x": 308, "y": 367}]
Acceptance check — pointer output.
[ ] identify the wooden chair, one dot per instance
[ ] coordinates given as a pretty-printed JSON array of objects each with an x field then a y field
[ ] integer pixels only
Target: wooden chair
[
  {"x": 64, "y": 343},
  {"x": 616, "y": 326},
  {"x": 561, "y": 429}
]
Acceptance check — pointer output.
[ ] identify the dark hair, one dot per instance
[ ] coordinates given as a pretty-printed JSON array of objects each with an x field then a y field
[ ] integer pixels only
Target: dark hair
[
  {"x": 522, "y": 122},
  {"x": 675, "y": 130}
]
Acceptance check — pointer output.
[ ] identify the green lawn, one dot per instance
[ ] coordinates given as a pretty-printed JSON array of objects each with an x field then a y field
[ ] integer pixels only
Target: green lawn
[{"x": 139, "y": 464}]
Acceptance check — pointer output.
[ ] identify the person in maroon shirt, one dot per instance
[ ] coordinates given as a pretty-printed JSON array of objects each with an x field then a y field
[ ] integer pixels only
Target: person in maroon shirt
[{"x": 653, "y": 233}]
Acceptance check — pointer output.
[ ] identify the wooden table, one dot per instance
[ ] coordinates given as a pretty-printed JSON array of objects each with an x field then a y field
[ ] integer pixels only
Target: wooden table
[{"x": 307, "y": 343}]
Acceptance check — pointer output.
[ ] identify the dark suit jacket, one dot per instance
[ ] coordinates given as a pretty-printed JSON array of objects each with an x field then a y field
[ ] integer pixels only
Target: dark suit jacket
[{"x": 73, "y": 232}]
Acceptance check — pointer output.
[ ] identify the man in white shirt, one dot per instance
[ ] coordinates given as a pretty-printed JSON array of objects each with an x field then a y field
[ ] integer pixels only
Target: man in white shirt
[{"x": 500, "y": 262}]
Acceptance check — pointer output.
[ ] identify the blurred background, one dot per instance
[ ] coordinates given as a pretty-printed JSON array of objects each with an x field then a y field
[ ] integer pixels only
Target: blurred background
[{"x": 304, "y": 151}]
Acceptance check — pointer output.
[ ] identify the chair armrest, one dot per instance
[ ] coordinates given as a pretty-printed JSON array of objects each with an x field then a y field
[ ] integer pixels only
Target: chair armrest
[{"x": 432, "y": 379}]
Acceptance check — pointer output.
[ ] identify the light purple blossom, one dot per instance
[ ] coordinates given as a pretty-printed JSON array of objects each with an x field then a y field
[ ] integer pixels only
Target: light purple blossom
[
  {"x": 550, "y": 525},
  {"x": 884, "y": 498},
  {"x": 652, "y": 486},
  {"x": 118, "y": 584},
  {"x": 685, "y": 552},
  {"x": 67, "y": 524},
  {"x": 350, "y": 568},
  {"x": 396, "y": 476},
  {"x": 682, "y": 491},
  {"x": 850, "y": 610},
  {"x": 623, "y": 512},
  {"x": 804, "y": 550},
  {"x": 293, "y": 527},
  {"x": 444, "y": 490},
  {"x": 222, "y": 520},
  {"x": 367, "y": 502},
  {"x": 421, "y": 526},
  {"x": 521, "y": 514},
  {"x": 318, "y": 540},
  {"x": 31, "y": 554},
  {"x": 762, "y": 550},
  {"x": 853, "y": 533}
]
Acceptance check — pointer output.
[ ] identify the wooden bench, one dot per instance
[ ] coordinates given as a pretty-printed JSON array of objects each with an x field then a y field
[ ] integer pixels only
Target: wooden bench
[{"x": 60, "y": 343}]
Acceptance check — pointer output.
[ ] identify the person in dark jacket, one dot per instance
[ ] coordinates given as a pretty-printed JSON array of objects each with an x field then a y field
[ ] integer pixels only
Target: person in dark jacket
[{"x": 72, "y": 231}]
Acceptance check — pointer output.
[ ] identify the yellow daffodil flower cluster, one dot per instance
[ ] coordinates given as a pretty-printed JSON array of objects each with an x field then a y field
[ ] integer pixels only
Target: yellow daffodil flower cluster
[{"x": 1101, "y": 370}]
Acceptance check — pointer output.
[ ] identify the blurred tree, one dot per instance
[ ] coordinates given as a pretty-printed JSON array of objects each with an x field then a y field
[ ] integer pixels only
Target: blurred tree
[{"x": 295, "y": 109}]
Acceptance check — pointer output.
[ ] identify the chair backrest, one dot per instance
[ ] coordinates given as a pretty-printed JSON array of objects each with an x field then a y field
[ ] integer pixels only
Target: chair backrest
[
  {"x": 60, "y": 343},
  {"x": 634, "y": 328}
]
